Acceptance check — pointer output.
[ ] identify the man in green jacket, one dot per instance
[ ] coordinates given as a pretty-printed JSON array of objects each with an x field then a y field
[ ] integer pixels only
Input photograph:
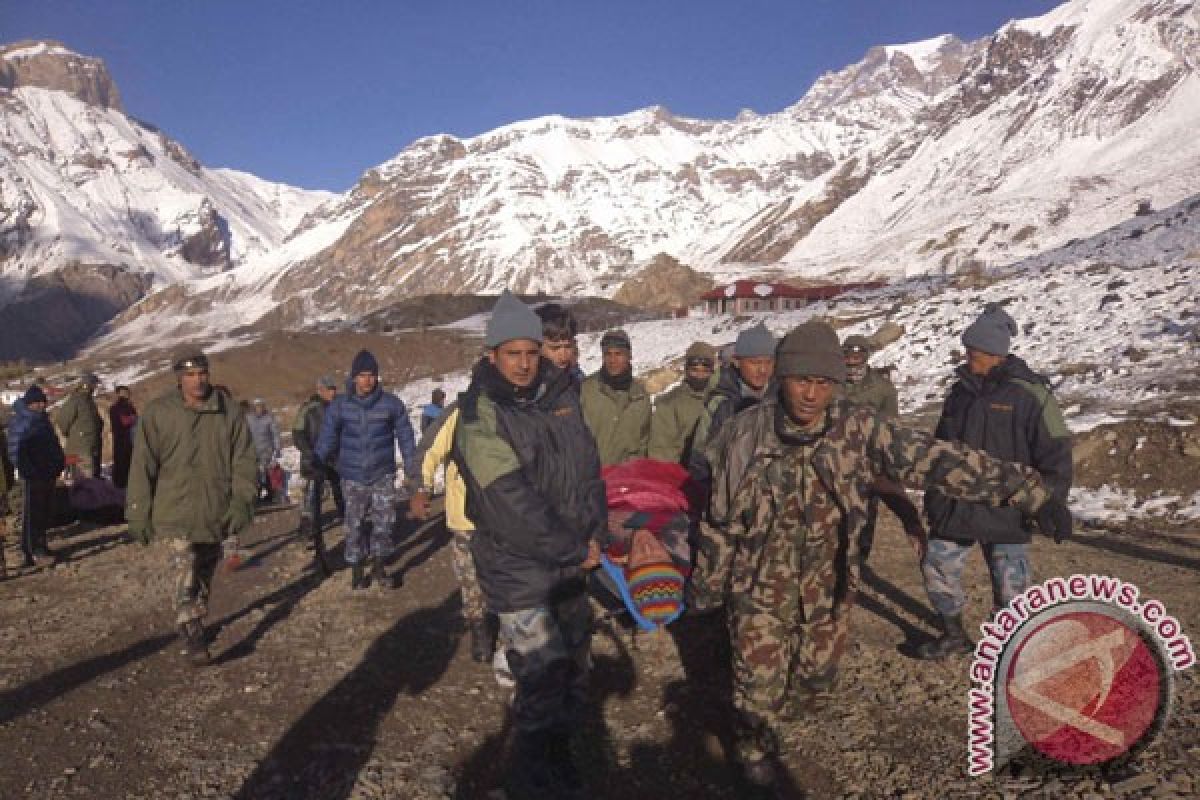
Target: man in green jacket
[
  {"x": 616, "y": 407},
  {"x": 676, "y": 413},
  {"x": 81, "y": 426},
  {"x": 192, "y": 482}
]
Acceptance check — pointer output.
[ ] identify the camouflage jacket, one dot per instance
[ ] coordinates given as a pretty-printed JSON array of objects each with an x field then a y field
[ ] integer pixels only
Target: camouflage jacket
[
  {"x": 748, "y": 535},
  {"x": 875, "y": 391}
]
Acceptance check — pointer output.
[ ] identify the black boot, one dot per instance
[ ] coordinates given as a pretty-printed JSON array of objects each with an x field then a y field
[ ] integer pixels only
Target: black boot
[
  {"x": 358, "y": 580},
  {"x": 195, "y": 648},
  {"x": 953, "y": 641},
  {"x": 483, "y": 638},
  {"x": 379, "y": 577}
]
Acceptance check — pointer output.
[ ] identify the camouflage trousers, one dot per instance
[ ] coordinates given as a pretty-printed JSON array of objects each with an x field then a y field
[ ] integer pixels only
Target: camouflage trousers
[
  {"x": 1008, "y": 565},
  {"x": 549, "y": 653},
  {"x": 192, "y": 566},
  {"x": 473, "y": 606},
  {"x": 373, "y": 503},
  {"x": 781, "y": 661}
]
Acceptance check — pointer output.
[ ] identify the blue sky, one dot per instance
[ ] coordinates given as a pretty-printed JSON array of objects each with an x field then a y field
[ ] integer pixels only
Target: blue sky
[{"x": 315, "y": 93}]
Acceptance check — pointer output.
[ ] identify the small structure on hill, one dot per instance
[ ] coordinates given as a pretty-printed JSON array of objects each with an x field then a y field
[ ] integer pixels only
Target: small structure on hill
[{"x": 748, "y": 297}]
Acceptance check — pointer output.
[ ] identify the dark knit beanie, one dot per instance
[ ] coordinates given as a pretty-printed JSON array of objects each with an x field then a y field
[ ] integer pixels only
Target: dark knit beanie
[
  {"x": 616, "y": 338},
  {"x": 512, "y": 319},
  {"x": 811, "y": 350},
  {"x": 754, "y": 343},
  {"x": 364, "y": 362},
  {"x": 702, "y": 351},
  {"x": 992, "y": 332},
  {"x": 34, "y": 394}
]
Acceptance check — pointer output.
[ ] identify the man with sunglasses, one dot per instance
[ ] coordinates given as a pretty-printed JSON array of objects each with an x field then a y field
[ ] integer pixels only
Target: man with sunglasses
[
  {"x": 192, "y": 482},
  {"x": 673, "y": 426}
]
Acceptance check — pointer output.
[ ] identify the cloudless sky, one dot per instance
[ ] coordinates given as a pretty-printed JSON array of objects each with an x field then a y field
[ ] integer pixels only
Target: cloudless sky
[{"x": 315, "y": 92}]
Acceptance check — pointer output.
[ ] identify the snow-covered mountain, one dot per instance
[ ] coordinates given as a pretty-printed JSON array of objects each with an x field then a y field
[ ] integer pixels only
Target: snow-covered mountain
[
  {"x": 97, "y": 208},
  {"x": 933, "y": 157}
]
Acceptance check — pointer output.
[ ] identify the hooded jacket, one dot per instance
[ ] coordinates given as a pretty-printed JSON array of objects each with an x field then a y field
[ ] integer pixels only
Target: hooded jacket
[
  {"x": 1009, "y": 414},
  {"x": 33, "y": 446},
  {"x": 362, "y": 434},
  {"x": 728, "y": 398},
  {"x": 534, "y": 491},
  {"x": 193, "y": 474}
]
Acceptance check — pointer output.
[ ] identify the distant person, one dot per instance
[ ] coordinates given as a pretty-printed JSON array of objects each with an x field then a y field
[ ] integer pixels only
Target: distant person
[
  {"x": 740, "y": 386},
  {"x": 362, "y": 429},
  {"x": 191, "y": 483},
  {"x": 867, "y": 386},
  {"x": 432, "y": 410},
  {"x": 534, "y": 493},
  {"x": 616, "y": 406},
  {"x": 267, "y": 446},
  {"x": 677, "y": 412},
  {"x": 122, "y": 417},
  {"x": 82, "y": 428},
  {"x": 559, "y": 345},
  {"x": 1002, "y": 407},
  {"x": 306, "y": 432},
  {"x": 34, "y": 449},
  {"x": 8, "y": 480}
]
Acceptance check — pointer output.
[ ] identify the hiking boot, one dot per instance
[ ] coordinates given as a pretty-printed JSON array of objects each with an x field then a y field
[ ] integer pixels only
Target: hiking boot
[
  {"x": 195, "y": 648},
  {"x": 379, "y": 577},
  {"x": 358, "y": 578},
  {"x": 483, "y": 638},
  {"x": 953, "y": 641},
  {"x": 761, "y": 773}
]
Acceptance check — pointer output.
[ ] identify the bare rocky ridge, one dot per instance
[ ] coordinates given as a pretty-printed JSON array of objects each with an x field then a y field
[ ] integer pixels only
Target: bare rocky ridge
[
  {"x": 664, "y": 285},
  {"x": 49, "y": 65}
]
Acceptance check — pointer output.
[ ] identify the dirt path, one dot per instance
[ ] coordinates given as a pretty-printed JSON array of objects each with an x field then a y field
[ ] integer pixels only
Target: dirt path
[{"x": 320, "y": 694}]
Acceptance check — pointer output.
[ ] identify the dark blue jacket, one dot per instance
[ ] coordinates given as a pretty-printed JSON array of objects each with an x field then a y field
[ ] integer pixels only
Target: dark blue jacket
[
  {"x": 361, "y": 430},
  {"x": 1010, "y": 415},
  {"x": 33, "y": 445}
]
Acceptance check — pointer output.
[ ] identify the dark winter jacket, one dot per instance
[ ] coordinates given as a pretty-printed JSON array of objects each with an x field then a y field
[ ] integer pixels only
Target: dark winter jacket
[
  {"x": 306, "y": 432},
  {"x": 533, "y": 482},
  {"x": 33, "y": 445},
  {"x": 1010, "y": 415},
  {"x": 193, "y": 471},
  {"x": 359, "y": 432},
  {"x": 730, "y": 397},
  {"x": 429, "y": 414},
  {"x": 122, "y": 417}
]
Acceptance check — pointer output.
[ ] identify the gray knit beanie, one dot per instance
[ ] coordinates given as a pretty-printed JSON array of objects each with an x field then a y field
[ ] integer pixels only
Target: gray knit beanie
[
  {"x": 618, "y": 339},
  {"x": 512, "y": 319},
  {"x": 754, "y": 343},
  {"x": 992, "y": 332},
  {"x": 811, "y": 350}
]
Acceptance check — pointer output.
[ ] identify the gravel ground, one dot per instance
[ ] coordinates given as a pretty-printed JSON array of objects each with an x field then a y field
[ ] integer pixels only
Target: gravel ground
[{"x": 320, "y": 694}]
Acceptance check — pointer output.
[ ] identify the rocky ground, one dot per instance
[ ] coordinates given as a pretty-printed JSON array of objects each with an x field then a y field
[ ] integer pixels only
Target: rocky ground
[{"x": 318, "y": 693}]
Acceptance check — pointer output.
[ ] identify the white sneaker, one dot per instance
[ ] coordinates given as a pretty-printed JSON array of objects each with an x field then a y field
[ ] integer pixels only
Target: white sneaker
[{"x": 500, "y": 669}]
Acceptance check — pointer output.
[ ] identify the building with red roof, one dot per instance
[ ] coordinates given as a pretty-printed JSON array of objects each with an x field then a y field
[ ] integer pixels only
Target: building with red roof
[{"x": 748, "y": 297}]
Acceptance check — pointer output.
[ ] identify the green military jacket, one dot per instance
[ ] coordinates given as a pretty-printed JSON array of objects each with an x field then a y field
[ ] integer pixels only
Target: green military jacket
[
  {"x": 193, "y": 473},
  {"x": 750, "y": 531},
  {"x": 673, "y": 425},
  {"x": 80, "y": 423},
  {"x": 619, "y": 420},
  {"x": 875, "y": 391}
]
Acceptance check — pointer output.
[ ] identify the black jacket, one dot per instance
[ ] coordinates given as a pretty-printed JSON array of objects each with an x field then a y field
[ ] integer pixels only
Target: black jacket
[
  {"x": 1011, "y": 415},
  {"x": 730, "y": 397},
  {"x": 533, "y": 482}
]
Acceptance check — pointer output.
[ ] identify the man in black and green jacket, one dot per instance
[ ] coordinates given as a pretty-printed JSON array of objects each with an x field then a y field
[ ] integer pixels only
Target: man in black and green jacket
[
  {"x": 192, "y": 483},
  {"x": 534, "y": 493}
]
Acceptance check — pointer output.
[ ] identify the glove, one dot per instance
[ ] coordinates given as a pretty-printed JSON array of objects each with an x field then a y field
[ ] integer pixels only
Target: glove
[
  {"x": 141, "y": 531},
  {"x": 1054, "y": 518},
  {"x": 237, "y": 519}
]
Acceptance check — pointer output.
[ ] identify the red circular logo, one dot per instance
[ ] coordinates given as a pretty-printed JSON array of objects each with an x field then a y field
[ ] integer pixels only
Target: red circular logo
[{"x": 1084, "y": 688}]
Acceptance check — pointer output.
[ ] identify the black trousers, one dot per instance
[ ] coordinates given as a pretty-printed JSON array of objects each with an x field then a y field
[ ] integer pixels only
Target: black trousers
[{"x": 38, "y": 500}]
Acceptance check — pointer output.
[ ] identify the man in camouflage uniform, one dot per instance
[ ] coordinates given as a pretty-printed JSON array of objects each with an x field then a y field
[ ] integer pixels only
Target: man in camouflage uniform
[
  {"x": 81, "y": 426},
  {"x": 676, "y": 413},
  {"x": 791, "y": 484},
  {"x": 192, "y": 483},
  {"x": 1001, "y": 406},
  {"x": 867, "y": 386}
]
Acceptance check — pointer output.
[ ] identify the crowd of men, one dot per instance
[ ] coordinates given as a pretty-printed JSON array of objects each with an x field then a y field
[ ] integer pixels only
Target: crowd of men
[{"x": 794, "y": 443}]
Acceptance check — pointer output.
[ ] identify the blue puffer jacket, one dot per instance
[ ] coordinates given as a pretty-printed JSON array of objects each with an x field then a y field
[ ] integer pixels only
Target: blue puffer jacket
[
  {"x": 33, "y": 445},
  {"x": 361, "y": 431}
]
